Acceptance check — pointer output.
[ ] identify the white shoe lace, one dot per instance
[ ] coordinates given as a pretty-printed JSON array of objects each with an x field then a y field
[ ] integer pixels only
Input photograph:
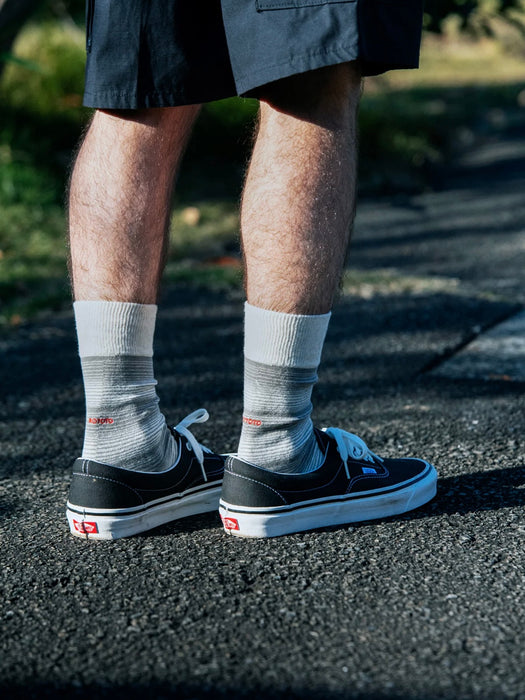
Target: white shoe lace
[
  {"x": 350, "y": 445},
  {"x": 201, "y": 415}
]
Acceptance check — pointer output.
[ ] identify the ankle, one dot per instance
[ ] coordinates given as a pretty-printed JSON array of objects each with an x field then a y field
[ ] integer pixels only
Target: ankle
[{"x": 282, "y": 449}]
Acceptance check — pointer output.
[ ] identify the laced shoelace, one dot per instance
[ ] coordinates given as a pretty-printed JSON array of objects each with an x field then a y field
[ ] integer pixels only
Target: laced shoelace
[
  {"x": 201, "y": 415},
  {"x": 350, "y": 445}
]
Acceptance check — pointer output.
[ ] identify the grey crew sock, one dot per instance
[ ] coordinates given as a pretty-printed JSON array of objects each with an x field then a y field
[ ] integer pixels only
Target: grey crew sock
[
  {"x": 277, "y": 431},
  {"x": 124, "y": 426},
  {"x": 282, "y": 353}
]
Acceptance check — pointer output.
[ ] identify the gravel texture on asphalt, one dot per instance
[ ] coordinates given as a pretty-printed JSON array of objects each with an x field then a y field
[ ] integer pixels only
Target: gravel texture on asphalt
[{"x": 425, "y": 606}]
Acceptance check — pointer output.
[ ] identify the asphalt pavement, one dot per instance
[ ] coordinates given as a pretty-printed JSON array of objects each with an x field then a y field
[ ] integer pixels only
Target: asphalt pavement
[{"x": 425, "y": 606}]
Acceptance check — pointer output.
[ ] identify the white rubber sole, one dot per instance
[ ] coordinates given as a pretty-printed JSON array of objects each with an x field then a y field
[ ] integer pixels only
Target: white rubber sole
[
  {"x": 100, "y": 524},
  {"x": 284, "y": 520}
]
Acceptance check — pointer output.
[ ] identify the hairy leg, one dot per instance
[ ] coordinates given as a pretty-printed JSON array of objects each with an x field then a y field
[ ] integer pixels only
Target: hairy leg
[
  {"x": 296, "y": 216},
  {"x": 119, "y": 211},
  {"x": 119, "y": 202},
  {"x": 298, "y": 200}
]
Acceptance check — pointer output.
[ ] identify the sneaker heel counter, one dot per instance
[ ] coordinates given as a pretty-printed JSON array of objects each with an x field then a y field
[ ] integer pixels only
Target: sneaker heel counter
[
  {"x": 241, "y": 490},
  {"x": 90, "y": 491}
]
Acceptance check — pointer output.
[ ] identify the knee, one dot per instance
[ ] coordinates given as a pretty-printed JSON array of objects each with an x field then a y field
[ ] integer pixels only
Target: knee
[{"x": 327, "y": 94}]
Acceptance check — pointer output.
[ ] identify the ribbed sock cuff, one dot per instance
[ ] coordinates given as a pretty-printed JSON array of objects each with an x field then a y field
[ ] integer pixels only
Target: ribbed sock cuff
[
  {"x": 111, "y": 328},
  {"x": 284, "y": 340}
]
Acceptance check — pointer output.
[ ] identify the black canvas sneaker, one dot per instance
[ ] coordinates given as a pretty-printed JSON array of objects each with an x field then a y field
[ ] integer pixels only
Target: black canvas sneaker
[
  {"x": 351, "y": 485},
  {"x": 108, "y": 502}
]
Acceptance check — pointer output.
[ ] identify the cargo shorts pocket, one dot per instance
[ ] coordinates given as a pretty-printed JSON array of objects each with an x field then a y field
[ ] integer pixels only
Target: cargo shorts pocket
[{"x": 263, "y": 5}]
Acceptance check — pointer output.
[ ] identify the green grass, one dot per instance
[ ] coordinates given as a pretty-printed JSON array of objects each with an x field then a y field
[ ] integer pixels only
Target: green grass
[
  {"x": 367, "y": 284},
  {"x": 204, "y": 230},
  {"x": 412, "y": 120},
  {"x": 409, "y": 122},
  {"x": 32, "y": 261},
  {"x": 204, "y": 248}
]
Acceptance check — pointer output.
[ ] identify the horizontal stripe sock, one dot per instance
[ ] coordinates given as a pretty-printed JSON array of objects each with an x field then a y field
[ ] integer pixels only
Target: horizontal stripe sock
[
  {"x": 282, "y": 354},
  {"x": 124, "y": 426}
]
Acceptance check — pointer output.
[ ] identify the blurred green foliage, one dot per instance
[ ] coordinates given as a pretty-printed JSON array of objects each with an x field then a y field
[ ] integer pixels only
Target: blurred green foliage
[
  {"x": 40, "y": 115},
  {"x": 50, "y": 78},
  {"x": 476, "y": 16}
]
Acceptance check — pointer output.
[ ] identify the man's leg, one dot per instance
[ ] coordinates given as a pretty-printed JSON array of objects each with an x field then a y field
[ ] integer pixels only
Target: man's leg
[
  {"x": 299, "y": 195},
  {"x": 297, "y": 212},
  {"x": 119, "y": 212},
  {"x": 120, "y": 202}
]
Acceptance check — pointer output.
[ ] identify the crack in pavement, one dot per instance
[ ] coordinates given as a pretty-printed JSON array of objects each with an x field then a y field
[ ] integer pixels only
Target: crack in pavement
[{"x": 496, "y": 353}]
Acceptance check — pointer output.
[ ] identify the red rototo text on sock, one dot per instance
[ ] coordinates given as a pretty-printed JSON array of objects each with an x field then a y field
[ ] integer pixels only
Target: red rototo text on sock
[
  {"x": 252, "y": 421},
  {"x": 100, "y": 421}
]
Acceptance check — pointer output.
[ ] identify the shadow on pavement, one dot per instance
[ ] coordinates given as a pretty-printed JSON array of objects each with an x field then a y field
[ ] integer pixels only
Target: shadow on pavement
[
  {"x": 464, "y": 494},
  {"x": 201, "y": 350},
  {"x": 468, "y": 493}
]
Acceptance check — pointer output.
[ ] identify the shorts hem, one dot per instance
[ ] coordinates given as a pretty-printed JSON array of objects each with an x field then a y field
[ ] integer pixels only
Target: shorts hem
[
  {"x": 293, "y": 66},
  {"x": 118, "y": 99}
]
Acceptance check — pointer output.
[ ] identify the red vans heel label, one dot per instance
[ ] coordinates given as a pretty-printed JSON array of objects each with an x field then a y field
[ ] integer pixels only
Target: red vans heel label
[
  {"x": 230, "y": 523},
  {"x": 85, "y": 528}
]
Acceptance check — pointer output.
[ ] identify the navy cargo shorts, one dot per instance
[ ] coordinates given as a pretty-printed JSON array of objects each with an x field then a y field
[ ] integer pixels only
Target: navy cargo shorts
[{"x": 162, "y": 53}]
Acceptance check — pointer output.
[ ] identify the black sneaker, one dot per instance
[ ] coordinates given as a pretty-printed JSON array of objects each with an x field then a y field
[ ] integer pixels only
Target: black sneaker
[
  {"x": 109, "y": 502},
  {"x": 351, "y": 485}
]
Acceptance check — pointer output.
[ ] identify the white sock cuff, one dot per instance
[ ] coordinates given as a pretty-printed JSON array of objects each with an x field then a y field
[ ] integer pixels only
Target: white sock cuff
[
  {"x": 284, "y": 340},
  {"x": 110, "y": 328}
]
